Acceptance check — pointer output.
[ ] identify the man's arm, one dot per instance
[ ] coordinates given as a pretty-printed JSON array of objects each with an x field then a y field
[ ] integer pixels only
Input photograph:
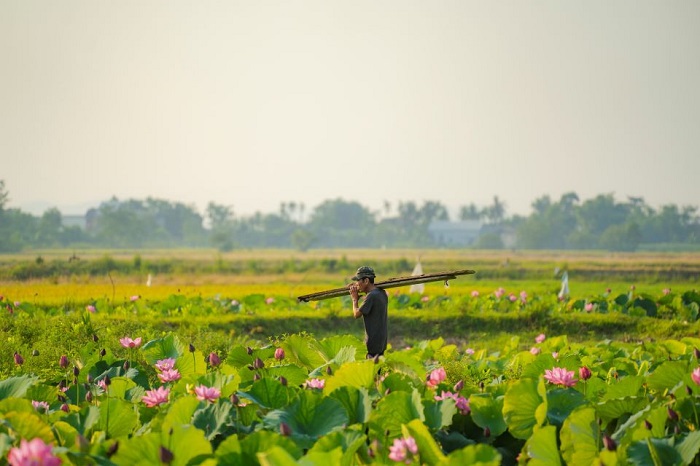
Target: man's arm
[{"x": 355, "y": 301}]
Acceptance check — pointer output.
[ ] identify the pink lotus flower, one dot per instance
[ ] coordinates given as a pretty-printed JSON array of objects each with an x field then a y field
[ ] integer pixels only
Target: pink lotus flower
[
  {"x": 666, "y": 291},
  {"x": 169, "y": 375},
  {"x": 279, "y": 354},
  {"x": 588, "y": 307},
  {"x": 499, "y": 292},
  {"x": 214, "y": 359},
  {"x": 165, "y": 364},
  {"x": 127, "y": 342},
  {"x": 461, "y": 402},
  {"x": 535, "y": 350},
  {"x": 156, "y": 397},
  {"x": 555, "y": 354},
  {"x": 207, "y": 393},
  {"x": 560, "y": 376},
  {"x": 90, "y": 308},
  {"x": 102, "y": 383},
  {"x": 315, "y": 383},
  {"x": 523, "y": 296},
  {"x": 512, "y": 298},
  {"x": 475, "y": 294},
  {"x": 270, "y": 300},
  {"x": 469, "y": 351},
  {"x": 402, "y": 449},
  {"x": 41, "y": 406},
  {"x": 33, "y": 453},
  {"x": 435, "y": 377},
  {"x": 696, "y": 376},
  {"x": 540, "y": 338},
  {"x": 134, "y": 298}
]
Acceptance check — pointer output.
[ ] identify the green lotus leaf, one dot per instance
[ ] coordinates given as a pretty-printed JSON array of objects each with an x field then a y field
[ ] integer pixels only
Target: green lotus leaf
[
  {"x": 429, "y": 450},
  {"x": 560, "y": 403},
  {"x": 29, "y": 425},
  {"x": 347, "y": 441},
  {"x": 395, "y": 410},
  {"x": 654, "y": 451},
  {"x": 473, "y": 455},
  {"x": 180, "y": 412},
  {"x": 354, "y": 374},
  {"x": 262, "y": 441},
  {"x": 186, "y": 443},
  {"x": 613, "y": 409},
  {"x": 119, "y": 387},
  {"x": 525, "y": 406},
  {"x": 689, "y": 446},
  {"x": 542, "y": 448},
  {"x": 624, "y": 387},
  {"x": 356, "y": 402},
  {"x": 303, "y": 351},
  {"x": 309, "y": 417},
  {"x": 162, "y": 348},
  {"x": 65, "y": 433},
  {"x": 268, "y": 393},
  {"x": 318, "y": 458},
  {"x": 212, "y": 418},
  {"x": 536, "y": 368},
  {"x": 275, "y": 456},
  {"x": 399, "y": 382},
  {"x": 294, "y": 374},
  {"x": 229, "y": 450},
  {"x": 117, "y": 417},
  {"x": 667, "y": 375},
  {"x": 406, "y": 363},
  {"x": 580, "y": 437},
  {"x": 439, "y": 414},
  {"x": 16, "y": 404},
  {"x": 674, "y": 347},
  {"x": 84, "y": 420},
  {"x": 16, "y": 387},
  {"x": 332, "y": 346},
  {"x": 487, "y": 411}
]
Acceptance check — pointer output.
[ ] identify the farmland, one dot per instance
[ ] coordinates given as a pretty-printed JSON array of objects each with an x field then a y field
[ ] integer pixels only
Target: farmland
[{"x": 460, "y": 359}]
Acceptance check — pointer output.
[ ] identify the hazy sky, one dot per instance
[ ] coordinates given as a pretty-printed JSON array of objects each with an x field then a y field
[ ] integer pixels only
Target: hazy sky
[{"x": 255, "y": 103}]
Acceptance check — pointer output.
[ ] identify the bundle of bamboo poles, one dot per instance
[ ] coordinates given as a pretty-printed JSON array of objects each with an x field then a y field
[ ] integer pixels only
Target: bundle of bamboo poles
[{"x": 390, "y": 283}]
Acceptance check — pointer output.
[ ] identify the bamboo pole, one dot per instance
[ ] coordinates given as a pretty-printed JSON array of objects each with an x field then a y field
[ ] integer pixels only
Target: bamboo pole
[{"x": 390, "y": 283}]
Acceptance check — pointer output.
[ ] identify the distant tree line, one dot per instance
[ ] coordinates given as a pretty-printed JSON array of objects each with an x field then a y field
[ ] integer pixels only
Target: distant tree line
[{"x": 597, "y": 223}]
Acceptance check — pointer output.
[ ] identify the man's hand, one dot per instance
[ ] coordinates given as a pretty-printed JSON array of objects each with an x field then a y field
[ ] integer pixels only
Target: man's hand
[{"x": 354, "y": 292}]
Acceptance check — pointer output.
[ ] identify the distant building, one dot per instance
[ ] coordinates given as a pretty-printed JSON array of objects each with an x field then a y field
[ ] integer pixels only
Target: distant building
[{"x": 454, "y": 234}]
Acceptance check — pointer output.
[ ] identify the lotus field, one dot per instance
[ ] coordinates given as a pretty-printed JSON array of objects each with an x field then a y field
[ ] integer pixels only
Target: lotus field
[{"x": 192, "y": 380}]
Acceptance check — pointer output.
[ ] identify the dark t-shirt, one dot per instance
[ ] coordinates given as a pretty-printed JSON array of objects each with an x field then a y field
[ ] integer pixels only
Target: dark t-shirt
[{"x": 374, "y": 313}]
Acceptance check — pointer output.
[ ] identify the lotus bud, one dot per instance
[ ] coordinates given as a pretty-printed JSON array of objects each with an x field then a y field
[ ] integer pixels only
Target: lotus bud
[
  {"x": 250, "y": 367},
  {"x": 283, "y": 380},
  {"x": 76, "y": 371},
  {"x": 214, "y": 359},
  {"x": 258, "y": 363},
  {"x": 696, "y": 353},
  {"x": 126, "y": 365},
  {"x": 65, "y": 408},
  {"x": 279, "y": 354},
  {"x": 19, "y": 360},
  {"x": 672, "y": 415},
  {"x": 191, "y": 348},
  {"x": 647, "y": 424},
  {"x": 285, "y": 429},
  {"x": 249, "y": 350},
  {"x": 688, "y": 390},
  {"x": 112, "y": 449},
  {"x": 63, "y": 361},
  {"x": 256, "y": 377},
  {"x": 107, "y": 380},
  {"x": 584, "y": 373},
  {"x": 609, "y": 443},
  {"x": 459, "y": 386},
  {"x": 103, "y": 352},
  {"x": 88, "y": 397},
  {"x": 35, "y": 352},
  {"x": 487, "y": 431},
  {"x": 95, "y": 338},
  {"x": 234, "y": 399},
  {"x": 329, "y": 371},
  {"x": 166, "y": 456}
]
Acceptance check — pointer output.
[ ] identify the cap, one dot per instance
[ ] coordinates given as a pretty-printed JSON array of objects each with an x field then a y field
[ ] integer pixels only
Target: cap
[{"x": 363, "y": 272}]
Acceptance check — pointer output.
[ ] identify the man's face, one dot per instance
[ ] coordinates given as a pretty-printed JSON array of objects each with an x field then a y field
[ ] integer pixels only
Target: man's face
[{"x": 362, "y": 284}]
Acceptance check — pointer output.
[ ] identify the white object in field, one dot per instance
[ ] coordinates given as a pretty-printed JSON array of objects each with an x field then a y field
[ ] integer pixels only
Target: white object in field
[
  {"x": 564, "y": 292},
  {"x": 418, "y": 287},
  {"x": 149, "y": 280}
]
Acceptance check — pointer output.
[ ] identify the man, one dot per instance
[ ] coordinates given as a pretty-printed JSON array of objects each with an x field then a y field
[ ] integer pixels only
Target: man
[{"x": 373, "y": 310}]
